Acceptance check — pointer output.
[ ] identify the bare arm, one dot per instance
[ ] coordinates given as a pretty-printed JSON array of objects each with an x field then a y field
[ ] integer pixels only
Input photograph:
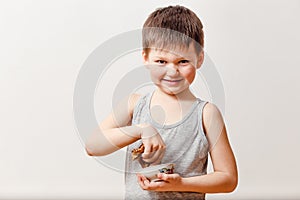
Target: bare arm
[
  {"x": 115, "y": 131},
  {"x": 225, "y": 176}
]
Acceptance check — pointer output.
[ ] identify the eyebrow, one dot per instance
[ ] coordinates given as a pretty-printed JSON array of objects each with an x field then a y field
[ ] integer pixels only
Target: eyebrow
[{"x": 163, "y": 58}]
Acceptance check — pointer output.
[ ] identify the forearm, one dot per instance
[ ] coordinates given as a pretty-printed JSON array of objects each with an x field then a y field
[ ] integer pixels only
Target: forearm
[
  {"x": 216, "y": 182},
  {"x": 103, "y": 142}
]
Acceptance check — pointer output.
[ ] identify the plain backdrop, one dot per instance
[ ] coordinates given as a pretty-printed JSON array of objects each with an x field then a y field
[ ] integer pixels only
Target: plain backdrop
[{"x": 43, "y": 44}]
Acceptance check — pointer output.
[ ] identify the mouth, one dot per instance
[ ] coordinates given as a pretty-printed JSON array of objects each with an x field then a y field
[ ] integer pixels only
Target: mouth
[{"x": 172, "y": 81}]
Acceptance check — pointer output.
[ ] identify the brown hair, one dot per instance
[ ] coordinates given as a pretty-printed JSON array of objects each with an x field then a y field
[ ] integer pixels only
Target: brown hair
[{"x": 172, "y": 26}]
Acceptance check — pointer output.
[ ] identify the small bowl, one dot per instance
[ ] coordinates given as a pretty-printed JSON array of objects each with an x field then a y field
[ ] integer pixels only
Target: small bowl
[{"x": 152, "y": 171}]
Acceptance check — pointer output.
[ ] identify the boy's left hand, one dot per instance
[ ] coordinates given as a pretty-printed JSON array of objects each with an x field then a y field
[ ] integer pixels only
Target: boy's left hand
[{"x": 169, "y": 182}]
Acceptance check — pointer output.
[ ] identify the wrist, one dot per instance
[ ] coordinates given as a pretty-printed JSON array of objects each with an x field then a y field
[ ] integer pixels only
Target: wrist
[
  {"x": 182, "y": 184},
  {"x": 141, "y": 129},
  {"x": 146, "y": 131},
  {"x": 188, "y": 184}
]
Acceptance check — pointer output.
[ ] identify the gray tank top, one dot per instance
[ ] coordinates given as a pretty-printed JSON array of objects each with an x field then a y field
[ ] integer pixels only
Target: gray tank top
[{"x": 186, "y": 147}]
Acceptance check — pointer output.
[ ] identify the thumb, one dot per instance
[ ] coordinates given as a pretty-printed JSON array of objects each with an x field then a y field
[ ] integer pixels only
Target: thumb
[
  {"x": 163, "y": 176},
  {"x": 147, "y": 151}
]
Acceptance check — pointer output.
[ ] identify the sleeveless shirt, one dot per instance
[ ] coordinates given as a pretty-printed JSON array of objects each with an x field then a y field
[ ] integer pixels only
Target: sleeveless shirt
[{"x": 186, "y": 147}]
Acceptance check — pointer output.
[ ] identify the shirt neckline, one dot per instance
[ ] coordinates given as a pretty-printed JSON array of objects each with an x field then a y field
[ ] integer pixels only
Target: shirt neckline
[{"x": 167, "y": 126}]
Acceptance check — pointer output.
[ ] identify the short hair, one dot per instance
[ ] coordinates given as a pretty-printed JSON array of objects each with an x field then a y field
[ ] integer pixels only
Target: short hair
[{"x": 172, "y": 26}]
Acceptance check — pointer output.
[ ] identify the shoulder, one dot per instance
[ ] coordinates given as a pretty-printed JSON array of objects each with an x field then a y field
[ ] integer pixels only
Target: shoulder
[
  {"x": 134, "y": 97},
  {"x": 211, "y": 115},
  {"x": 211, "y": 110},
  {"x": 132, "y": 101}
]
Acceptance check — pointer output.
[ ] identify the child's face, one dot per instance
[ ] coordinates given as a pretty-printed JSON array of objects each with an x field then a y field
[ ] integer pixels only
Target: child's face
[{"x": 173, "y": 71}]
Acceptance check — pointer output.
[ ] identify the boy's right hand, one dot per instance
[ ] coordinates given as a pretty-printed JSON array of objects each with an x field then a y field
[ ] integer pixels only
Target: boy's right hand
[{"x": 153, "y": 143}]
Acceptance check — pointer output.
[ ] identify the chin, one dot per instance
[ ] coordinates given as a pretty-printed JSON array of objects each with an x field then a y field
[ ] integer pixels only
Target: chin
[{"x": 171, "y": 91}]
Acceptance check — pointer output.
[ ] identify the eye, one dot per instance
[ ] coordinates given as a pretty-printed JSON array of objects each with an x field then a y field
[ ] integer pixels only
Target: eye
[
  {"x": 161, "y": 62},
  {"x": 184, "y": 62}
]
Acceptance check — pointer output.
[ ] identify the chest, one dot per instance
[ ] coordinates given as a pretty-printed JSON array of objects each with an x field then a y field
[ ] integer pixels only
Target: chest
[{"x": 169, "y": 113}]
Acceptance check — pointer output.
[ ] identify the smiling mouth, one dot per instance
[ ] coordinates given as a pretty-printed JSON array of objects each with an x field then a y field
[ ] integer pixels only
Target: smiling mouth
[{"x": 172, "y": 80}]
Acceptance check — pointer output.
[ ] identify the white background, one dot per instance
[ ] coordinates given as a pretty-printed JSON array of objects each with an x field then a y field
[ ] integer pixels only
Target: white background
[{"x": 254, "y": 45}]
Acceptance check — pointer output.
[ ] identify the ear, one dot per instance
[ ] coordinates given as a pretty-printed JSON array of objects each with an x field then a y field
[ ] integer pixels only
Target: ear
[
  {"x": 200, "y": 59},
  {"x": 145, "y": 57}
]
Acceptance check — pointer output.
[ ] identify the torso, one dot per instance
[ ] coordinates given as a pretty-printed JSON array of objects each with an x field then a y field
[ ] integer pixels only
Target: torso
[{"x": 186, "y": 143}]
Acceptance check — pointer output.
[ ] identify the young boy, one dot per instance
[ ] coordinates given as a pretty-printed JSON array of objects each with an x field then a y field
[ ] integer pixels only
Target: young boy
[{"x": 173, "y": 125}]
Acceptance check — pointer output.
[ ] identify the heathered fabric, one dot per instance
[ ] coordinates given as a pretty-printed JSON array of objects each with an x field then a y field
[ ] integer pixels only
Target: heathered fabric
[{"x": 186, "y": 147}]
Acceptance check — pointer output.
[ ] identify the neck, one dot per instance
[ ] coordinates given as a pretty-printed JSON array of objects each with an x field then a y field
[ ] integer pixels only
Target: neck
[{"x": 185, "y": 95}]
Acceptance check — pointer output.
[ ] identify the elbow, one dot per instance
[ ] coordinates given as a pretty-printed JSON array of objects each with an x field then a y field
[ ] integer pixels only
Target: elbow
[
  {"x": 92, "y": 148},
  {"x": 92, "y": 151},
  {"x": 231, "y": 184},
  {"x": 88, "y": 152},
  {"x": 89, "y": 148}
]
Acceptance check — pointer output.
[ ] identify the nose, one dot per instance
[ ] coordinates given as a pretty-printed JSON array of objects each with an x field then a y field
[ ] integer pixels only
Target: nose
[{"x": 172, "y": 70}]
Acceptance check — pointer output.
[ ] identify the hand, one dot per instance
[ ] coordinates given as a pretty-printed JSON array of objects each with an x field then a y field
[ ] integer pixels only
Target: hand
[
  {"x": 153, "y": 143},
  {"x": 168, "y": 182}
]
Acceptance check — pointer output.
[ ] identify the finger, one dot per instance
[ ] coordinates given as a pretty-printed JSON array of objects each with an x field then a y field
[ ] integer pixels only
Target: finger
[
  {"x": 152, "y": 185},
  {"x": 143, "y": 181},
  {"x": 157, "y": 186},
  {"x": 167, "y": 177},
  {"x": 159, "y": 159},
  {"x": 139, "y": 177},
  {"x": 147, "y": 151},
  {"x": 140, "y": 182},
  {"x": 163, "y": 177},
  {"x": 148, "y": 185},
  {"x": 147, "y": 156},
  {"x": 146, "y": 182},
  {"x": 154, "y": 156}
]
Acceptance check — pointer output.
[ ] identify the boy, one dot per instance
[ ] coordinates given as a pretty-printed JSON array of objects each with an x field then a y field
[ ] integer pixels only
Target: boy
[{"x": 172, "y": 124}]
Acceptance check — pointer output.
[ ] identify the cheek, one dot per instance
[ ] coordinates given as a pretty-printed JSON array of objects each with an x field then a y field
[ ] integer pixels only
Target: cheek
[
  {"x": 189, "y": 74},
  {"x": 157, "y": 73}
]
